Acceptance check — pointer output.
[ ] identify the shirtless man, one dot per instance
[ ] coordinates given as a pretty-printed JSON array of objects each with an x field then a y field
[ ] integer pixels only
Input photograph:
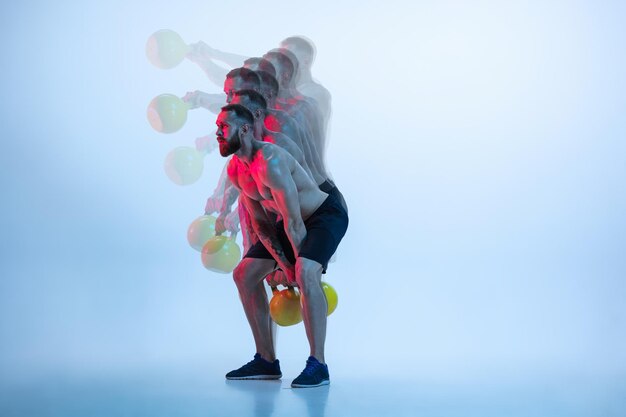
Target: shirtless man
[
  {"x": 256, "y": 104},
  {"x": 312, "y": 223},
  {"x": 304, "y": 50},
  {"x": 236, "y": 79}
]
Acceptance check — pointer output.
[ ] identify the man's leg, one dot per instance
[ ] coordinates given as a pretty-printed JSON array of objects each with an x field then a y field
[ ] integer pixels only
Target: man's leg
[
  {"x": 314, "y": 306},
  {"x": 248, "y": 277}
]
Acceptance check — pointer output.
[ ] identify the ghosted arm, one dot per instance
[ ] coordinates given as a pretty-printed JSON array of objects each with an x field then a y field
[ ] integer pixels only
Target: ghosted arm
[
  {"x": 210, "y": 101},
  {"x": 228, "y": 58},
  {"x": 231, "y": 193},
  {"x": 201, "y": 54},
  {"x": 214, "y": 203}
]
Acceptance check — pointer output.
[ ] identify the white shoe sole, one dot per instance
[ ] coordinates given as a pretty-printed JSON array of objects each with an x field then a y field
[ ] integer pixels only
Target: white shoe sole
[
  {"x": 254, "y": 377},
  {"x": 324, "y": 382}
]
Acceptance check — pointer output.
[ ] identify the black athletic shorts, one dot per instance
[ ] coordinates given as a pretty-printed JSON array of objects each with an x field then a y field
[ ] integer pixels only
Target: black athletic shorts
[
  {"x": 330, "y": 188},
  {"x": 324, "y": 230}
]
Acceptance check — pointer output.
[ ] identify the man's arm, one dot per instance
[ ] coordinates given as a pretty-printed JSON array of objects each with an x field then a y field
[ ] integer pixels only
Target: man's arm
[
  {"x": 247, "y": 231},
  {"x": 280, "y": 181},
  {"x": 228, "y": 199},
  {"x": 214, "y": 203},
  {"x": 212, "y": 102},
  {"x": 228, "y": 58},
  {"x": 201, "y": 54},
  {"x": 265, "y": 229}
]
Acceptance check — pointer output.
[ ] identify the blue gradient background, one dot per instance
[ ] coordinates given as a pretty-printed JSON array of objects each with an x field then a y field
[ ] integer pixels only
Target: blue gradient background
[{"x": 480, "y": 146}]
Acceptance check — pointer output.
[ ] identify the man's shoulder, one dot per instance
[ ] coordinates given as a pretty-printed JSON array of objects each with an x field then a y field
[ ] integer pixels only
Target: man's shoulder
[
  {"x": 279, "y": 115},
  {"x": 277, "y": 161},
  {"x": 270, "y": 151},
  {"x": 275, "y": 138},
  {"x": 232, "y": 167},
  {"x": 318, "y": 91}
]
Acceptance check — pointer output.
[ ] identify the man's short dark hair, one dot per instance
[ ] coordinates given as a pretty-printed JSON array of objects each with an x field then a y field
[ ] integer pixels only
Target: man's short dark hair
[
  {"x": 302, "y": 44},
  {"x": 269, "y": 81},
  {"x": 261, "y": 64},
  {"x": 292, "y": 57},
  {"x": 287, "y": 66},
  {"x": 240, "y": 112},
  {"x": 254, "y": 97},
  {"x": 247, "y": 76}
]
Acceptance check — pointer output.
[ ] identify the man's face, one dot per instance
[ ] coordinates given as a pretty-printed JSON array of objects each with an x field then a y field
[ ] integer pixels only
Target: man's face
[
  {"x": 237, "y": 99},
  {"x": 227, "y": 134},
  {"x": 229, "y": 89}
]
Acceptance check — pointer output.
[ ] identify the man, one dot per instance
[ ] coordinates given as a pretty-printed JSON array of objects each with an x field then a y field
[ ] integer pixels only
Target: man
[
  {"x": 280, "y": 121},
  {"x": 312, "y": 223},
  {"x": 304, "y": 50},
  {"x": 236, "y": 79},
  {"x": 256, "y": 104}
]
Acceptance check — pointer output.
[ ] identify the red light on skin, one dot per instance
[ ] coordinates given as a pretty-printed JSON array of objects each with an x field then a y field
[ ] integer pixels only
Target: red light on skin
[
  {"x": 285, "y": 104},
  {"x": 269, "y": 138},
  {"x": 271, "y": 123},
  {"x": 229, "y": 87},
  {"x": 279, "y": 104}
]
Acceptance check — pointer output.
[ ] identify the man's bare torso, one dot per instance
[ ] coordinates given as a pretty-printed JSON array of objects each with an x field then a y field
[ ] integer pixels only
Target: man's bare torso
[{"x": 255, "y": 179}]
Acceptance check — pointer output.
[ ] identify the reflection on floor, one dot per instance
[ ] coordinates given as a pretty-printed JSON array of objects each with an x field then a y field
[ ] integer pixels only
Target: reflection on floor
[{"x": 163, "y": 394}]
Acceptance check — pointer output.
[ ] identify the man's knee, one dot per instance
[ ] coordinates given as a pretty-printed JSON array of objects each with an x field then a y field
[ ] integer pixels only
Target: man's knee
[
  {"x": 251, "y": 271},
  {"x": 308, "y": 272}
]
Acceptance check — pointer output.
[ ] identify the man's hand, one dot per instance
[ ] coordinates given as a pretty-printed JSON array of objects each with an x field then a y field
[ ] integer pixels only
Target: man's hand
[
  {"x": 200, "y": 51},
  {"x": 231, "y": 222},
  {"x": 227, "y": 221},
  {"x": 279, "y": 277},
  {"x": 213, "y": 205},
  {"x": 195, "y": 99},
  {"x": 220, "y": 226},
  {"x": 206, "y": 144}
]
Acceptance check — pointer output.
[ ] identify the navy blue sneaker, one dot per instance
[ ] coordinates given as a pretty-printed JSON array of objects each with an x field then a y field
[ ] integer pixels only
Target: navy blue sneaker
[
  {"x": 257, "y": 368},
  {"x": 314, "y": 375}
]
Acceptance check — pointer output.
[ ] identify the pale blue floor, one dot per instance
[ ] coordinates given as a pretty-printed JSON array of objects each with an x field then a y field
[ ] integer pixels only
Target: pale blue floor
[{"x": 210, "y": 395}]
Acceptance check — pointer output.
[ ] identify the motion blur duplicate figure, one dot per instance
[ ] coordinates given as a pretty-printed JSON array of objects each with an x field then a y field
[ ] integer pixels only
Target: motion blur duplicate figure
[
  {"x": 296, "y": 105},
  {"x": 277, "y": 120},
  {"x": 243, "y": 78},
  {"x": 256, "y": 104},
  {"x": 236, "y": 79},
  {"x": 306, "y": 113},
  {"x": 312, "y": 112},
  {"x": 272, "y": 184},
  {"x": 214, "y": 101},
  {"x": 210, "y": 101},
  {"x": 240, "y": 79},
  {"x": 202, "y": 54},
  {"x": 295, "y": 48},
  {"x": 304, "y": 50},
  {"x": 225, "y": 195},
  {"x": 260, "y": 64}
]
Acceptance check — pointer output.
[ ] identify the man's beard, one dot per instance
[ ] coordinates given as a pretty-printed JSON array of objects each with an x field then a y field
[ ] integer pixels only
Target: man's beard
[{"x": 230, "y": 146}]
